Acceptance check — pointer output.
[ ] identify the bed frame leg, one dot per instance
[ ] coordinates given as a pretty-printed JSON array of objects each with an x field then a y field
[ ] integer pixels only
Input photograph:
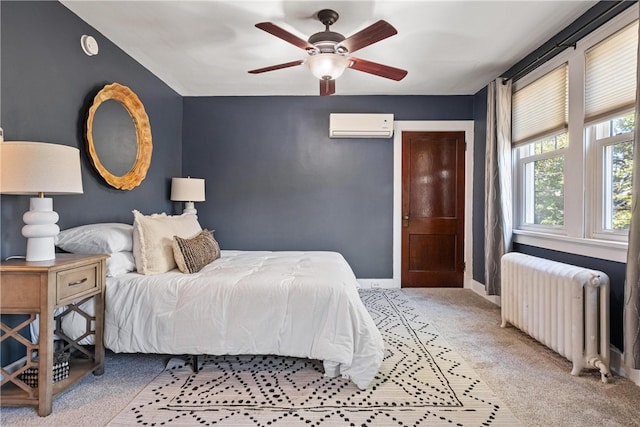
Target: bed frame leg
[{"x": 195, "y": 363}]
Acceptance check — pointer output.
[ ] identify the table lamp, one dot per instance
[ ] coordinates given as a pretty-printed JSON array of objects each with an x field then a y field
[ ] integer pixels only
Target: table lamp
[
  {"x": 38, "y": 168},
  {"x": 187, "y": 190}
]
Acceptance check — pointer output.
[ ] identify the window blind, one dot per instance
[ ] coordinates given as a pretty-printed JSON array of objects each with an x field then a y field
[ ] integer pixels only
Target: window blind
[
  {"x": 540, "y": 108},
  {"x": 610, "y": 74}
]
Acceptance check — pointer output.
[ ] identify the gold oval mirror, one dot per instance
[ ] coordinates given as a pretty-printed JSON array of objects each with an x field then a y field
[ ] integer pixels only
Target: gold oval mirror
[{"x": 120, "y": 152}]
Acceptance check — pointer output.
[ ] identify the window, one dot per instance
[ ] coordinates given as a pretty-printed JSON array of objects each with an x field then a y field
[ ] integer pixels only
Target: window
[
  {"x": 573, "y": 124},
  {"x": 612, "y": 142},
  {"x": 542, "y": 181},
  {"x": 540, "y": 136}
]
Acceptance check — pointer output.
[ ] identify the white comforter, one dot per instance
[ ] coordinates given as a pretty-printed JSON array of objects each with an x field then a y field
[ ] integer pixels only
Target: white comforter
[{"x": 301, "y": 304}]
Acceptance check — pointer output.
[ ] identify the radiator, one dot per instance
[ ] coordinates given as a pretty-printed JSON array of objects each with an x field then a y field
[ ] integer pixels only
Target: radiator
[{"x": 563, "y": 306}]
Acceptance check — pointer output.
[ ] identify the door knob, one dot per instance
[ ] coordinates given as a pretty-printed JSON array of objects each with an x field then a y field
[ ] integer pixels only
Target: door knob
[{"x": 405, "y": 220}]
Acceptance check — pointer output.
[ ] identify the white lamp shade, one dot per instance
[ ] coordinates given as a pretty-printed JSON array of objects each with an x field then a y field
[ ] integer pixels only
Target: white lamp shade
[
  {"x": 187, "y": 189},
  {"x": 30, "y": 168},
  {"x": 327, "y": 66}
]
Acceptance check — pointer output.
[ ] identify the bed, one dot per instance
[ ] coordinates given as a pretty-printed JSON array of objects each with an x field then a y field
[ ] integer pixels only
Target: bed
[{"x": 299, "y": 304}]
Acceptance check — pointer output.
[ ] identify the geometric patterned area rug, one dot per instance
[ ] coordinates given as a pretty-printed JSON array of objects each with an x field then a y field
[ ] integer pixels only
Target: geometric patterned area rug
[{"x": 422, "y": 381}]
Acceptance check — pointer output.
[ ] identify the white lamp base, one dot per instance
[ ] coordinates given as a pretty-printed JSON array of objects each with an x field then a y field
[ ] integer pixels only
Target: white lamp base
[
  {"x": 189, "y": 207},
  {"x": 40, "y": 229}
]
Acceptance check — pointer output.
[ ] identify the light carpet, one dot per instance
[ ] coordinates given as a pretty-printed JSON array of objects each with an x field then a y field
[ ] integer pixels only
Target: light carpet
[{"x": 422, "y": 381}]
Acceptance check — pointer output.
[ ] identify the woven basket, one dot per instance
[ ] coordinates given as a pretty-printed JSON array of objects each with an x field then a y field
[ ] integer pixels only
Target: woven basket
[{"x": 60, "y": 370}]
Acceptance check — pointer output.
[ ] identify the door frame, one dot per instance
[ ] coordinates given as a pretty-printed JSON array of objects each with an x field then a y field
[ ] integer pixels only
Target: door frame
[{"x": 466, "y": 126}]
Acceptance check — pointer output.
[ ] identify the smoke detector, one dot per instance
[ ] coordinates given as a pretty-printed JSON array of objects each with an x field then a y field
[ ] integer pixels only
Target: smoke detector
[{"x": 89, "y": 45}]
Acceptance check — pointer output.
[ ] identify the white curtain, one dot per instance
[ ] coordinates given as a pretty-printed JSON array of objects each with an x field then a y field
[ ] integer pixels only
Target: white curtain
[
  {"x": 632, "y": 283},
  {"x": 498, "y": 206}
]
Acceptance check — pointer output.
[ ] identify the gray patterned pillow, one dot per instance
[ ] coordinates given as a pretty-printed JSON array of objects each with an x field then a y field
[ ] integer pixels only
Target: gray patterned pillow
[{"x": 193, "y": 253}]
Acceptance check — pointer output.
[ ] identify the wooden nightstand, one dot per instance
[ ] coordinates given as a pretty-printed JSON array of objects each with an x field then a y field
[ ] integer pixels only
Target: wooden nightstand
[{"x": 39, "y": 288}]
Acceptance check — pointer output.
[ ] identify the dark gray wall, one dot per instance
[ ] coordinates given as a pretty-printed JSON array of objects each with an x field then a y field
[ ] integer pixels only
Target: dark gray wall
[
  {"x": 479, "y": 147},
  {"x": 276, "y": 181},
  {"x": 48, "y": 84}
]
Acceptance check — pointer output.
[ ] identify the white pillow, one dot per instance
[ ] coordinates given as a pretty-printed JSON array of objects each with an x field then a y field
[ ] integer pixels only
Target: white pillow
[
  {"x": 102, "y": 238},
  {"x": 153, "y": 239},
  {"x": 120, "y": 263}
]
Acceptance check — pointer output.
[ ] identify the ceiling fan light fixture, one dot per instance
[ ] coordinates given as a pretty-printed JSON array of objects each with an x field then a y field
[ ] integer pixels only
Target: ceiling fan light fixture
[
  {"x": 327, "y": 66},
  {"x": 330, "y": 52}
]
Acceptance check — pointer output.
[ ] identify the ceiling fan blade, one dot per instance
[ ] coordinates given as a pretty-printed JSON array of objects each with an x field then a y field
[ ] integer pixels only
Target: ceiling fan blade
[
  {"x": 277, "y": 67},
  {"x": 285, "y": 35},
  {"x": 377, "y": 69},
  {"x": 327, "y": 87},
  {"x": 370, "y": 35}
]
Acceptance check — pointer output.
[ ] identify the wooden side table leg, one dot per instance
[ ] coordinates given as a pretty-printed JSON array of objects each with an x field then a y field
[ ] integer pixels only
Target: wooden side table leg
[
  {"x": 45, "y": 360},
  {"x": 99, "y": 333}
]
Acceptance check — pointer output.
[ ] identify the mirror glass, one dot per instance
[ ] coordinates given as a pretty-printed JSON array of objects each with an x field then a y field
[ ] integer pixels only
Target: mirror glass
[
  {"x": 114, "y": 137},
  {"x": 118, "y": 137}
]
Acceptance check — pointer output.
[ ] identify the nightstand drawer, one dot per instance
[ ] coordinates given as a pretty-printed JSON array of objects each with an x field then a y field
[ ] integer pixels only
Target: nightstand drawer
[{"x": 74, "y": 282}]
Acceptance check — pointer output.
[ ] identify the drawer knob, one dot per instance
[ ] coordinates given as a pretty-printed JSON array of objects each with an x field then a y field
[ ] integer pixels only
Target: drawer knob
[{"x": 77, "y": 282}]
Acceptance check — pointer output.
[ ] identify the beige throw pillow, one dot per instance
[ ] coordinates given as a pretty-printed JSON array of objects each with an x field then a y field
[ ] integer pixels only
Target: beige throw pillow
[
  {"x": 194, "y": 253},
  {"x": 153, "y": 239}
]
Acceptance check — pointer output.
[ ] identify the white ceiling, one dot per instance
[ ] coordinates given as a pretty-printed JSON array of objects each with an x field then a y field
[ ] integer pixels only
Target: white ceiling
[{"x": 205, "y": 48}]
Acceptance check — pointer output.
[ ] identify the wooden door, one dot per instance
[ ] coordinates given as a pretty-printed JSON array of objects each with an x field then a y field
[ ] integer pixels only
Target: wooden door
[{"x": 433, "y": 209}]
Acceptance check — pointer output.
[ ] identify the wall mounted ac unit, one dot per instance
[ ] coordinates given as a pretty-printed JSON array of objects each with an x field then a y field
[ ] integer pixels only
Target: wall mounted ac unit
[{"x": 349, "y": 125}]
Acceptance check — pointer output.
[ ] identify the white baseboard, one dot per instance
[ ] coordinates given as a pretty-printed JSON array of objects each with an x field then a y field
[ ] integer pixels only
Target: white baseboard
[
  {"x": 469, "y": 283},
  {"x": 617, "y": 366},
  {"x": 377, "y": 283},
  {"x": 479, "y": 289}
]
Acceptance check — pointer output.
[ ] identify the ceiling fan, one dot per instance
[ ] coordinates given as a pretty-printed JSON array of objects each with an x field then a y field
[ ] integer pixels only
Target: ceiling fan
[{"x": 329, "y": 52}]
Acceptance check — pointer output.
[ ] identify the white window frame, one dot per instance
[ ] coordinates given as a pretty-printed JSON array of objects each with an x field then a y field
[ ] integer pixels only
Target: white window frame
[
  {"x": 595, "y": 151},
  {"x": 519, "y": 184},
  {"x": 578, "y": 235}
]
